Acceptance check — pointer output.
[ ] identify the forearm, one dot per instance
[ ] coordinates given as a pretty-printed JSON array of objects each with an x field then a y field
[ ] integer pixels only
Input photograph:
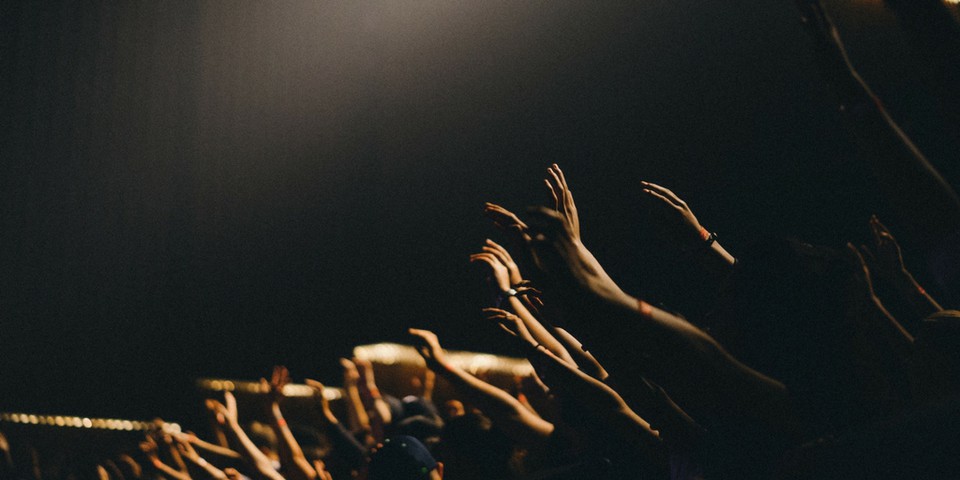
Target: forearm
[
  {"x": 249, "y": 451},
  {"x": 680, "y": 357},
  {"x": 897, "y": 337},
  {"x": 914, "y": 188},
  {"x": 673, "y": 425},
  {"x": 291, "y": 455},
  {"x": 168, "y": 470},
  {"x": 916, "y": 295},
  {"x": 377, "y": 409},
  {"x": 507, "y": 413},
  {"x": 715, "y": 262},
  {"x": 225, "y": 456},
  {"x": 205, "y": 469},
  {"x": 584, "y": 359},
  {"x": 600, "y": 399},
  {"x": 912, "y": 184},
  {"x": 539, "y": 332},
  {"x": 356, "y": 412}
]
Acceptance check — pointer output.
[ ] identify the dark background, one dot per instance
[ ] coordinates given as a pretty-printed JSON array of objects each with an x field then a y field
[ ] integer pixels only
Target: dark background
[{"x": 211, "y": 188}]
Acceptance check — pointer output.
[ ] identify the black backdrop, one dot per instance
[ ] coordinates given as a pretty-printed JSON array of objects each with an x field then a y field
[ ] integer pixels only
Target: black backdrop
[{"x": 210, "y": 188}]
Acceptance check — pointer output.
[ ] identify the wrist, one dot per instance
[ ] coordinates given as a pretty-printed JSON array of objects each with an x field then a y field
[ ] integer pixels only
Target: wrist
[{"x": 504, "y": 295}]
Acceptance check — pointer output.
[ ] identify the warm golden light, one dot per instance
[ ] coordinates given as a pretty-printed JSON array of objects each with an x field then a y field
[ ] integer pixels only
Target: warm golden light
[
  {"x": 58, "y": 421},
  {"x": 392, "y": 353},
  {"x": 244, "y": 386}
]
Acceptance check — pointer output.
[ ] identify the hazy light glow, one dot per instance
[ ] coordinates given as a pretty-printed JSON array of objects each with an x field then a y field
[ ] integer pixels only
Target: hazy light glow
[
  {"x": 392, "y": 353},
  {"x": 249, "y": 387},
  {"x": 59, "y": 421}
]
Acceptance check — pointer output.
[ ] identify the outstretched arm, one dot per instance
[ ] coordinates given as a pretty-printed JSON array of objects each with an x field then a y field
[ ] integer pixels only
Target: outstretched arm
[
  {"x": 893, "y": 334},
  {"x": 294, "y": 462},
  {"x": 380, "y": 416},
  {"x": 567, "y": 211},
  {"x": 888, "y": 262},
  {"x": 357, "y": 416},
  {"x": 227, "y": 414},
  {"x": 225, "y": 457},
  {"x": 585, "y": 360},
  {"x": 200, "y": 467},
  {"x": 345, "y": 445},
  {"x": 564, "y": 377},
  {"x": 915, "y": 189},
  {"x": 684, "y": 231},
  {"x": 602, "y": 401},
  {"x": 507, "y": 413},
  {"x": 151, "y": 450},
  {"x": 683, "y": 359},
  {"x": 503, "y": 268}
]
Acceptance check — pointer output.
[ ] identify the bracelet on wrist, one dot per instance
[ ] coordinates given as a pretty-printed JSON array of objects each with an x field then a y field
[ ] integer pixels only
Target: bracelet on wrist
[
  {"x": 505, "y": 295},
  {"x": 645, "y": 308},
  {"x": 708, "y": 237}
]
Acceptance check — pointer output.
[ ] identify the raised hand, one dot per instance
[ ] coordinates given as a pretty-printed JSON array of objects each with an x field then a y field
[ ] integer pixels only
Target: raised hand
[
  {"x": 322, "y": 400},
  {"x": 168, "y": 446},
  {"x": 350, "y": 372},
  {"x": 151, "y": 450},
  {"x": 321, "y": 468},
  {"x": 506, "y": 221},
  {"x": 227, "y": 411},
  {"x": 678, "y": 223},
  {"x": 223, "y": 455},
  {"x": 357, "y": 416},
  {"x": 563, "y": 198},
  {"x": 888, "y": 262},
  {"x": 365, "y": 368},
  {"x": 188, "y": 452},
  {"x": 278, "y": 379},
  {"x": 428, "y": 346},
  {"x": 511, "y": 324},
  {"x": 130, "y": 466},
  {"x": 501, "y": 253},
  {"x": 889, "y": 256},
  {"x": 568, "y": 265},
  {"x": 674, "y": 215},
  {"x": 500, "y": 273}
]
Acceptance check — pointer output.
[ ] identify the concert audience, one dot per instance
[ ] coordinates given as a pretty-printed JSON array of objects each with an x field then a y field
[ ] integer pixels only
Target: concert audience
[{"x": 800, "y": 371}]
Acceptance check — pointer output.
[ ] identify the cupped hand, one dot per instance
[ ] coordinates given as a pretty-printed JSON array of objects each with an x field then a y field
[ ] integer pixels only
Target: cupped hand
[
  {"x": 501, "y": 253},
  {"x": 500, "y": 273},
  {"x": 428, "y": 346}
]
